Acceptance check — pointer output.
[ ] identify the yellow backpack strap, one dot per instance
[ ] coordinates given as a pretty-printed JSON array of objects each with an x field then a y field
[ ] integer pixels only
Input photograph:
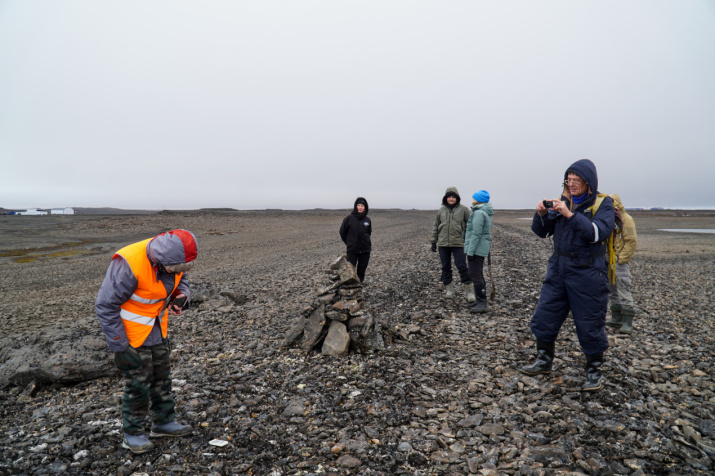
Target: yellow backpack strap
[
  {"x": 599, "y": 199},
  {"x": 610, "y": 244},
  {"x": 611, "y": 249}
]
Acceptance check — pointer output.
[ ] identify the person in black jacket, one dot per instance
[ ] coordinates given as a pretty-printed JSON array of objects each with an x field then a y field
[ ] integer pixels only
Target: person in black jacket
[{"x": 355, "y": 233}]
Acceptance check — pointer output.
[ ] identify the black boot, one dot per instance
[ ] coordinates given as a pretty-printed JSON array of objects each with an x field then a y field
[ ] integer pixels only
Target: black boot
[
  {"x": 544, "y": 359},
  {"x": 594, "y": 379},
  {"x": 480, "y": 305}
]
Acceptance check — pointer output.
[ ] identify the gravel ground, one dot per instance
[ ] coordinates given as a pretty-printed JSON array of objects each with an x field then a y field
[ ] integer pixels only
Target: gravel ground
[{"x": 444, "y": 397}]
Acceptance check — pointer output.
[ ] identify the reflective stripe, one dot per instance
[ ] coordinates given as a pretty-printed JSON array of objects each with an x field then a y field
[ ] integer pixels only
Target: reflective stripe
[
  {"x": 144, "y": 300},
  {"x": 139, "y": 319}
]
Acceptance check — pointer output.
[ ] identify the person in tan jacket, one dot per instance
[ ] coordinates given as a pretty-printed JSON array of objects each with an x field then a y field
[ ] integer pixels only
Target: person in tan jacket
[{"x": 622, "y": 310}]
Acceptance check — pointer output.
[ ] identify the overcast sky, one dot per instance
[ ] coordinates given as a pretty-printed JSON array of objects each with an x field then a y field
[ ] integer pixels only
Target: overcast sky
[{"x": 309, "y": 104}]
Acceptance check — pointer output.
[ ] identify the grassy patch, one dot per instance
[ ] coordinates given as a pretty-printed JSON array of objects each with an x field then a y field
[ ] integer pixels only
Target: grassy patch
[{"x": 27, "y": 255}]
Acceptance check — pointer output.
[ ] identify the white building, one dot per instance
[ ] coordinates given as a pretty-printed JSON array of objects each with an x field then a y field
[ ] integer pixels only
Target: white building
[
  {"x": 34, "y": 211},
  {"x": 62, "y": 211}
]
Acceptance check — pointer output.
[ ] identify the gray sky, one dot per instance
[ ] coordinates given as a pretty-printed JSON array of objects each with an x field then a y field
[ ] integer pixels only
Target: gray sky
[{"x": 306, "y": 104}]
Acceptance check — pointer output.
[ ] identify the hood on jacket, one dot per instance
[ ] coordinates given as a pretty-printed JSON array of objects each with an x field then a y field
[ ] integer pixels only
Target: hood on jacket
[
  {"x": 485, "y": 207},
  {"x": 617, "y": 202},
  {"x": 364, "y": 202},
  {"x": 585, "y": 169},
  {"x": 451, "y": 191},
  {"x": 173, "y": 248}
]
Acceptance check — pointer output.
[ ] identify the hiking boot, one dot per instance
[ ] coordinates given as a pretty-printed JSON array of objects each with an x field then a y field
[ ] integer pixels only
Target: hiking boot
[
  {"x": 170, "y": 429},
  {"x": 544, "y": 359},
  {"x": 137, "y": 444},
  {"x": 449, "y": 291},
  {"x": 627, "y": 326},
  {"x": 616, "y": 319},
  {"x": 480, "y": 305},
  {"x": 594, "y": 379}
]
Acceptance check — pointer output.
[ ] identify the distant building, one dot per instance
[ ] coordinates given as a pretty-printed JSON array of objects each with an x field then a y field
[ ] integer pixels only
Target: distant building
[
  {"x": 34, "y": 211},
  {"x": 62, "y": 211}
]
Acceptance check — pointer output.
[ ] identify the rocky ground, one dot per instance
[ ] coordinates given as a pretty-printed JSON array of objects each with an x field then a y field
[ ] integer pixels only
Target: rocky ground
[{"x": 444, "y": 397}]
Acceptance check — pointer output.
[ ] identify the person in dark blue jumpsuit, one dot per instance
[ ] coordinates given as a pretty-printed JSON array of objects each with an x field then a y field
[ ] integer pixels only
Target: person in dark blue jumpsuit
[{"x": 577, "y": 278}]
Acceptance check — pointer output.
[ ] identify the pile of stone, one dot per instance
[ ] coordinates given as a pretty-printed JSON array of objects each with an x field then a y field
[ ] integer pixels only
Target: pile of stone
[{"x": 337, "y": 320}]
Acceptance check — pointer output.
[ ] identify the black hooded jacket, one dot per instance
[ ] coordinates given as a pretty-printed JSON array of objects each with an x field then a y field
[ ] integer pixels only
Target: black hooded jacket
[{"x": 356, "y": 230}]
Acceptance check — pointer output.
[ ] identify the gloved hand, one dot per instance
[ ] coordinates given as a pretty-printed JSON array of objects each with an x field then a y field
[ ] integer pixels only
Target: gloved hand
[
  {"x": 128, "y": 360},
  {"x": 434, "y": 246}
]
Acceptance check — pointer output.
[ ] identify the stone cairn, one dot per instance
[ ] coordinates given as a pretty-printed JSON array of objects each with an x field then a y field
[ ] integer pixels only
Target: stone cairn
[{"x": 337, "y": 320}]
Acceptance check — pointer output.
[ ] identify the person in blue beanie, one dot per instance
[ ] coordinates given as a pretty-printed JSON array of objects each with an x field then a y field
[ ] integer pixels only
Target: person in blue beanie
[
  {"x": 477, "y": 243},
  {"x": 576, "y": 278}
]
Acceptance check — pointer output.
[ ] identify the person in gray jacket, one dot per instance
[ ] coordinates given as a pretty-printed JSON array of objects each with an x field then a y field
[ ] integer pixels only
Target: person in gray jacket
[
  {"x": 448, "y": 236},
  {"x": 145, "y": 283},
  {"x": 477, "y": 243}
]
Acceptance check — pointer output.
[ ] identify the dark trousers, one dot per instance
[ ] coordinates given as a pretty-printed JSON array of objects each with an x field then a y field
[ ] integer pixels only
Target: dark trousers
[
  {"x": 445, "y": 255},
  {"x": 476, "y": 272},
  {"x": 360, "y": 261},
  {"x": 149, "y": 384},
  {"x": 581, "y": 291}
]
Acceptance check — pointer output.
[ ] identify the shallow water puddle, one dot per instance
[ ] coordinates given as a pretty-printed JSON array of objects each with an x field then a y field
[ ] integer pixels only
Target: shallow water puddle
[{"x": 689, "y": 230}]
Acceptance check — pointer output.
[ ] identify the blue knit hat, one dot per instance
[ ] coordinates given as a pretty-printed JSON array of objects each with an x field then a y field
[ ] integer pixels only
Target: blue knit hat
[{"x": 481, "y": 196}]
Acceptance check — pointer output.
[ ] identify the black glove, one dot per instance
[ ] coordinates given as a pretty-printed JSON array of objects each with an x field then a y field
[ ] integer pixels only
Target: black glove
[
  {"x": 434, "y": 246},
  {"x": 128, "y": 360}
]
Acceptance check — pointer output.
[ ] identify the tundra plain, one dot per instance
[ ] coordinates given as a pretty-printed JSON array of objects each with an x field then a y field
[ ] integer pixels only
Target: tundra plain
[{"x": 445, "y": 397}]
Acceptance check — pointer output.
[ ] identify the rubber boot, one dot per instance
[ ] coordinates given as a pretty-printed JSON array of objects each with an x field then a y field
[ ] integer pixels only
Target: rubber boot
[
  {"x": 627, "y": 326},
  {"x": 449, "y": 291},
  {"x": 480, "y": 305},
  {"x": 544, "y": 359},
  {"x": 594, "y": 379},
  {"x": 471, "y": 297},
  {"x": 616, "y": 319}
]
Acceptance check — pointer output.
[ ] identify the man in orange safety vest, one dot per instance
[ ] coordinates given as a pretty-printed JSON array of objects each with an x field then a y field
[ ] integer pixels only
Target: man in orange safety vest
[{"x": 145, "y": 283}]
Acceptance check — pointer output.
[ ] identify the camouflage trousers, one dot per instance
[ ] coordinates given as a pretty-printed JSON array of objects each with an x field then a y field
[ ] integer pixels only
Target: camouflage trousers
[{"x": 145, "y": 385}]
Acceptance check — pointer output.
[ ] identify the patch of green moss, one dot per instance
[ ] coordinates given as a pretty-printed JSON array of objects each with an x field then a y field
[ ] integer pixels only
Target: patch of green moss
[
  {"x": 26, "y": 259},
  {"x": 28, "y": 255}
]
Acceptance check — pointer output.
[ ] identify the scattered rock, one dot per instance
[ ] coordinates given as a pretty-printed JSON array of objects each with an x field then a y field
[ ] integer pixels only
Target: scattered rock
[{"x": 425, "y": 388}]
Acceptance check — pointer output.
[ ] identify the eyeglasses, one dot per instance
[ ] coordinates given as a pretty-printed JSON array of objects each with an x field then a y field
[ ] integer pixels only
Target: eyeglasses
[{"x": 573, "y": 181}]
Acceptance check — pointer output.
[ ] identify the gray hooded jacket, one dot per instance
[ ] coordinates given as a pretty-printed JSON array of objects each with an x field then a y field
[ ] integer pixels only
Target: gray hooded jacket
[{"x": 120, "y": 283}]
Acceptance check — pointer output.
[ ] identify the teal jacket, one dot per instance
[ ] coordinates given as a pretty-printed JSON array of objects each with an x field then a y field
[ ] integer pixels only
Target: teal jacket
[
  {"x": 448, "y": 229},
  {"x": 478, "y": 237}
]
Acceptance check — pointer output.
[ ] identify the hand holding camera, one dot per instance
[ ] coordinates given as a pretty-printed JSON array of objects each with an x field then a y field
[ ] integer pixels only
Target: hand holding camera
[
  {"x": 558, "y": 206},
  {"x": 544, "y": 206}
]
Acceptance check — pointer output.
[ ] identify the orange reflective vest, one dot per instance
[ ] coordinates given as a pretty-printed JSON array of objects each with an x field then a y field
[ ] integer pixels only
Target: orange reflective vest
[{"x": 149, "y": 298}]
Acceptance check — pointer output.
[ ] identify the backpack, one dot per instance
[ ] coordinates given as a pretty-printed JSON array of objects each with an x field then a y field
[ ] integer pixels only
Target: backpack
[{"x": 612, "y": 239}]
